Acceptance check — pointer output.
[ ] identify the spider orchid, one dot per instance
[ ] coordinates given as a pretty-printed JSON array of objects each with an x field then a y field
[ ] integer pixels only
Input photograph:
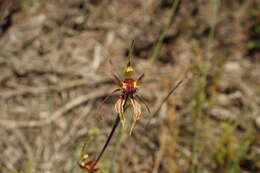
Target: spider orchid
[
  {"x": 87, "y": 165},
  {"x": 128, "y": 88}
]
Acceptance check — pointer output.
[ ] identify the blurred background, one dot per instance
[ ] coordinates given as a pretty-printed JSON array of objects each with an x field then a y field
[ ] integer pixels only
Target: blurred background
[{"x": 56, "y": 64}]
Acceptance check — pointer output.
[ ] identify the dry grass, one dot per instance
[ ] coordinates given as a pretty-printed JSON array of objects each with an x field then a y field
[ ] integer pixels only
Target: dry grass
[{"x": 56, "y": 59}]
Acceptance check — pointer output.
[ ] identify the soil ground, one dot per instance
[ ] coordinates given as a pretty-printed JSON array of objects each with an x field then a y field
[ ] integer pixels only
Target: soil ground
[{"x": 56, "y": 64}]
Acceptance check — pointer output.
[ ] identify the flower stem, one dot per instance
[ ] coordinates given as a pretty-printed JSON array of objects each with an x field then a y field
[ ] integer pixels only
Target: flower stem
[{"x": 116, "y": 123}]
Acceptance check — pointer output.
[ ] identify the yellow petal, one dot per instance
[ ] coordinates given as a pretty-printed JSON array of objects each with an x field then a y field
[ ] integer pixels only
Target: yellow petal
[{"x": 129, "y": 70}]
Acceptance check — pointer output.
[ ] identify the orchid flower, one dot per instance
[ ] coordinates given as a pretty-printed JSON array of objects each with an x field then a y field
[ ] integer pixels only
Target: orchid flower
[{"x": 128, "y": 88}]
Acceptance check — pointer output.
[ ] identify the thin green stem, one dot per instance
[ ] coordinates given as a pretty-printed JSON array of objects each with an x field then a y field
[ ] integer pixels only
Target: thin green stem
[
  {"x": 164, "y": 32},
  {"x": 116, "y": 149},
  {"x": 116, "y": 123},
  {"x": 163, "y": 101},
  {"x": 200, "y": 94}
]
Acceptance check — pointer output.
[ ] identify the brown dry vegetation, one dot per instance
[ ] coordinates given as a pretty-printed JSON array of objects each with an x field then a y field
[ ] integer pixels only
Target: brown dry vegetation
[{"x": 56, "y": 59}]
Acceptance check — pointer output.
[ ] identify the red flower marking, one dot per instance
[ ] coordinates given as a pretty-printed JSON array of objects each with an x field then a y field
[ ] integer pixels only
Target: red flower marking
[{"x": 88, "y": 166}]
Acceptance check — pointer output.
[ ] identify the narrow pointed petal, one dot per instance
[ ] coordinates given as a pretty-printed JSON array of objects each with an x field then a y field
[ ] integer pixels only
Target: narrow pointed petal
[
  {"x": 129, "y": 70},
  {"x": 143, "y": 101},
  {"x": 137, "y": 113},
  {"x": 117, "y": 80},
  {"x": 113, "y": 92},
  {"x": 104, "y": 101},
  {"x": 137, "y": 108},
  {"x": 119, "y": 109},
  {"x": 133, "y": 126}
]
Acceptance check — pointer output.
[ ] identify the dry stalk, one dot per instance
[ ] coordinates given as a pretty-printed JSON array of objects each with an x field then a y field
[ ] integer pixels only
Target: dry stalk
[
  {"x": 57, "y": 114},
  {"x": 161, "y": 151},
  {"x": 40, "y": 90}
]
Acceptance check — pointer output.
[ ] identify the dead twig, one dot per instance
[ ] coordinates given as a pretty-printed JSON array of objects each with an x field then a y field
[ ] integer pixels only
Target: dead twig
[
  {"x": 28, "y": 148},
  {"x": 163, "y": 101},
  {"x": 160, "y": 153},
  {"x": 57, "y": 114},
  {"x": 40, "y": 90}
]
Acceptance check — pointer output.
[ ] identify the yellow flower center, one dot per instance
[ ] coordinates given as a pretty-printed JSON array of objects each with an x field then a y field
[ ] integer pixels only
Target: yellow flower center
[{"x": 129, "y": 70}]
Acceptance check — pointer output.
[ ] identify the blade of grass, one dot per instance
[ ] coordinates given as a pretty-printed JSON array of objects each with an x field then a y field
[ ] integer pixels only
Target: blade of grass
[
  {"x": 200, "y": 96},
  {"x": 163, "y": 101},
  {"x": 164, "y": 32}
]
